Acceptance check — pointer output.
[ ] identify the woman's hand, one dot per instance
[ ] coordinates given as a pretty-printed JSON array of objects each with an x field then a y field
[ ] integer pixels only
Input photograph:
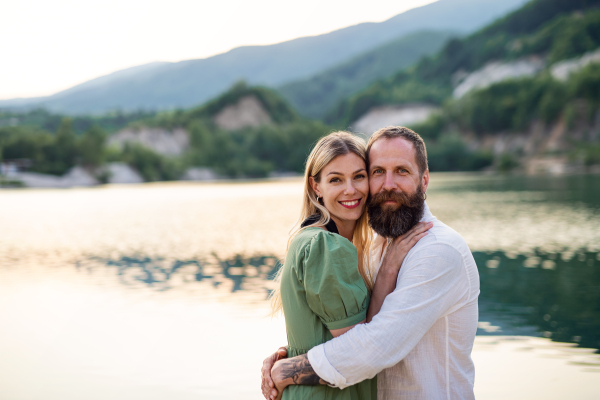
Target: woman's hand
[
  {"x": 267, "y": 384},
  {"x": 399, "y": 247},
  {"x": 394, "y": 256}
]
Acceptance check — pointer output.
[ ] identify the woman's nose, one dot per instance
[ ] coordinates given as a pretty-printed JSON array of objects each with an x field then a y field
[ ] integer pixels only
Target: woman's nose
[{"x": 350, "y": 189}]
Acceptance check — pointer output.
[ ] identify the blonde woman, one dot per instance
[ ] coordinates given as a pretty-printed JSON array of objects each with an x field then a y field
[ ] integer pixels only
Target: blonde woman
[{"x": 325, "y": 283}]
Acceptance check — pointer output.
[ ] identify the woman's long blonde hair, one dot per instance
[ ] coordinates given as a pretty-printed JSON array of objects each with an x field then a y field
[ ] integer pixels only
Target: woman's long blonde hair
[{"x": 327, "y": 148}]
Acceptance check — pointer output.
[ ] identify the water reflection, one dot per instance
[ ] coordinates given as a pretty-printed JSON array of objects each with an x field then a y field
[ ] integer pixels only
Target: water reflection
[
  {"x": 558, "y": 294},
  {"x": 552, "y": 295},
  {"x": 243, "y": 273}
]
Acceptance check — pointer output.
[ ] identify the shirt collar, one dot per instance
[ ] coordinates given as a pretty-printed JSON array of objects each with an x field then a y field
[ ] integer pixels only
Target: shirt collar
[
  {"x": 330, "y": 226},
  {"x": 427, "y": 215}
]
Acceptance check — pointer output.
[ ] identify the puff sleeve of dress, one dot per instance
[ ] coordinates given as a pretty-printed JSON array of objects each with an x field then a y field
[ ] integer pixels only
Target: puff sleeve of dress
[{"x": 335, "y": 290}]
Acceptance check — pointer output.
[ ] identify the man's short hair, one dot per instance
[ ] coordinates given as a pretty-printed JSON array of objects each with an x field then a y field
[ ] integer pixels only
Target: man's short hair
[{"x": 391, "y": 132}]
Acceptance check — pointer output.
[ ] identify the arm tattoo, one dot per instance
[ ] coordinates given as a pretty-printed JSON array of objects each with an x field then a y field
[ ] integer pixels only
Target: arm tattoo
[{"x": 299, "y": 370}]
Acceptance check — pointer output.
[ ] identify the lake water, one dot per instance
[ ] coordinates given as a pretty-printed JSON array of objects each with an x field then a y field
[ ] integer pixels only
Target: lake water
[{"x": 158, "y": 291}]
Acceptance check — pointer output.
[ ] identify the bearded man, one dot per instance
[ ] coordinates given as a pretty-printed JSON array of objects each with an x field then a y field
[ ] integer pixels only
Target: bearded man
[{"x": 419, "y": 344}]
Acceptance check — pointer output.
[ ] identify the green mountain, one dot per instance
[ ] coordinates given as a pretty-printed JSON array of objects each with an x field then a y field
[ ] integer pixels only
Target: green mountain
[
  {"x": 314, "y": 96},
  {"x": 513, "y": 120},
  {"x": 554, "y": 29},
  {"x": 187, "y": 83}
]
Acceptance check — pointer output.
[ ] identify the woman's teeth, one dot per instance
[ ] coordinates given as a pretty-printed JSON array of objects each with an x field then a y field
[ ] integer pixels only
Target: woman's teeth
[{"x": 349, "y": 203}]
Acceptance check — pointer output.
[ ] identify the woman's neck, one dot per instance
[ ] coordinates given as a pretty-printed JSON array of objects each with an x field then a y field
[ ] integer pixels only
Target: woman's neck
[{"x": 345, "y": 228}]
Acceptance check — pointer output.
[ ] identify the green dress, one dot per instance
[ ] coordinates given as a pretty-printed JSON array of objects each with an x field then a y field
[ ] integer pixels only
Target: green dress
[{"x": 321, "y": 289}]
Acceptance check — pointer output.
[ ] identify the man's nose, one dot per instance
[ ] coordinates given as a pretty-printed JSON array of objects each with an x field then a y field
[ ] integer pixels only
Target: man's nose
[{"x": 388, "y": 184}]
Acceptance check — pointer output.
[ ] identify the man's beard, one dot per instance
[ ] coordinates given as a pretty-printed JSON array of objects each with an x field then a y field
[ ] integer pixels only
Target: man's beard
[{"x": 391, "y": 221}]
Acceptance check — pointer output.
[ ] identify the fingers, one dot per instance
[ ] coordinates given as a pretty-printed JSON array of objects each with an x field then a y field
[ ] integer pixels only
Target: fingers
[
  {"x": 415, "y": 230},
  {"x": 282, "y": 352},
  {"x": 418, "y": 237}
]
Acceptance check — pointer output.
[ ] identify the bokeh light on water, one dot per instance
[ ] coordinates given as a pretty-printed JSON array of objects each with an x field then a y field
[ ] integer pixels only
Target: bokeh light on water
[{"x": 159, "y": 290}]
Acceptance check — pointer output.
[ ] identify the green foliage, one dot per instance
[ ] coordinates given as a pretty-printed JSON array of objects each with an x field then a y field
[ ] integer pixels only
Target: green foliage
[
  {"x": 553, "y": 27},
  {"x": 512, "y": 105},
  {"x": 254, "y": 152},
  {"x": 249, "y": 152},
  {"x": 586, "y": 84},
  {"x": 152, "y": 166},
  {"x": 591, "y": 155},
  {"x": 42, "y": 119},
  {"x": 450, "y": 153},
  {"x": 507, "y": 162},
  {"x": 92, "y": 147},
  {"x": 564, "y": 37},
  {"x": 432, "y": 128},
  {"x": 279, "y": 111},
  {"x": 314, "y": 96},
  {"x": 399, "y": 89},
  {"x": 53, "y": 153}
]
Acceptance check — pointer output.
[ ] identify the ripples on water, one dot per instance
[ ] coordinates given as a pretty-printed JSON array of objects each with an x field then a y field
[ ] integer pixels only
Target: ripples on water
[{"x": 536, "y": 242}]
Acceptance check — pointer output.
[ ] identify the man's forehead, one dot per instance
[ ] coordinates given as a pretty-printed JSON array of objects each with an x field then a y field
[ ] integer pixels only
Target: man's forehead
[{"x": 392, "y": 149}]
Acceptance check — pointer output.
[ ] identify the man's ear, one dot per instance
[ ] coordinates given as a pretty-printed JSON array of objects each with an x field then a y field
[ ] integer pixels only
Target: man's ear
[
  {"x": 314, "y": 185},
  {"x": 425, "y": 180}
]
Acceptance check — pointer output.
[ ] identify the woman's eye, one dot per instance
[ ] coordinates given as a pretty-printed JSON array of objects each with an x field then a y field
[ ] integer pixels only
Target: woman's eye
[
  {"x": 333, "y": 180},
  {"x": 359, "y": 176}
]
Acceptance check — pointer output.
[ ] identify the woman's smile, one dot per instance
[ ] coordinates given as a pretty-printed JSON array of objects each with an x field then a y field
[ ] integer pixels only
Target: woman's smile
[{"x": 350, "y": 203}]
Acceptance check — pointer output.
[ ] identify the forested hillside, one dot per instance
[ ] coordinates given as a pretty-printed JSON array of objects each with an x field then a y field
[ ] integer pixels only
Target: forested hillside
[
  {"x": 549, "y": 105},
  {"x": 556, "y": 29},
  {"x": 314, "y": 96},
  {"x": 280, "y": 142}
]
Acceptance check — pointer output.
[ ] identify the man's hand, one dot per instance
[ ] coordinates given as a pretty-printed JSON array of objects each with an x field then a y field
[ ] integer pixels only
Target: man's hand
[
  {"x": 268, "y": 386},
  {"x": 293, "y": 371}
]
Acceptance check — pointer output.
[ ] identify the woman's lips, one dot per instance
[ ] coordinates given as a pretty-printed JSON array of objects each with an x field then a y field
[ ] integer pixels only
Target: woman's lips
[{"x": 350, "y": 203}]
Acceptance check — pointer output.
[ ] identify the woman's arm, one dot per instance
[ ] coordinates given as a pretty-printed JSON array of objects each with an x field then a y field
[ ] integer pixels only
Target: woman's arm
[
  {"x": 390, "y": 267},
  {"x": 341, "y": 331}
]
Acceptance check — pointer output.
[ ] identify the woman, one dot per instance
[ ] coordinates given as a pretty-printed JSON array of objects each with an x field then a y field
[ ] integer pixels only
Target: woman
[{"x": 325, "y": 282}]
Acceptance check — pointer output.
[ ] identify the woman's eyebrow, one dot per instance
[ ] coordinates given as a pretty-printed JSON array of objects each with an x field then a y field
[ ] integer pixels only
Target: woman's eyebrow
[{"x": 339, "y": 173}]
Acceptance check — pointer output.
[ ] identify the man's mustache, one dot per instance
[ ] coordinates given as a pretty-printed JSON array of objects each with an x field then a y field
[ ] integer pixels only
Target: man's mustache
[{"x": 403, "y": 199}]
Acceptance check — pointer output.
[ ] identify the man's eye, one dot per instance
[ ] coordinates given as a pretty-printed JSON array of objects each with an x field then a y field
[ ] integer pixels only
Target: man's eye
[
  {"x": 403, "y": 171},
  {"x": 377, "y": 171}
]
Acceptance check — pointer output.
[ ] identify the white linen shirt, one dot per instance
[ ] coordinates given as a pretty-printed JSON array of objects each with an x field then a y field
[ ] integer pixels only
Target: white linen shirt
[{"x": 420, "y": 342}]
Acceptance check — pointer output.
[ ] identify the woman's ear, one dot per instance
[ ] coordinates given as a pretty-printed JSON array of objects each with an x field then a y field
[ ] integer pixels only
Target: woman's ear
[{"x": 314, "y": 185}]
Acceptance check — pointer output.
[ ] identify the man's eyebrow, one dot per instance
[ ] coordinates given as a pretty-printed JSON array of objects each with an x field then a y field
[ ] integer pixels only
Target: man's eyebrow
[
  {"x": 339, "y": 173},
  {"x": 405, "y": 166}
]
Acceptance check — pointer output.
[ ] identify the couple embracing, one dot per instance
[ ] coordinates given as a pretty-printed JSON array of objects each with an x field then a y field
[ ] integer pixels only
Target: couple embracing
[{"x": 390, "y": 315}]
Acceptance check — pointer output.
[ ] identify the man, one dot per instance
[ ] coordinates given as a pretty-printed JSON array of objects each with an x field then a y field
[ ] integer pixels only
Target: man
[{"x": 421, "y": 340}]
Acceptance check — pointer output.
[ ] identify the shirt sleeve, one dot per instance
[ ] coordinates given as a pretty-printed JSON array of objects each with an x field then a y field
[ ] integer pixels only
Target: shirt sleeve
[
  {"x": 429, "y": 287},
  {"x": 335, "y": 291}
]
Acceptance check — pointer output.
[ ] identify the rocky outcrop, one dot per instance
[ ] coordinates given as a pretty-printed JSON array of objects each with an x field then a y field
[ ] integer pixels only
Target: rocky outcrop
[
  {"x": 495, "y": 72},
  {"x": 122, "y": 173},
  {"x": 76, "y": 177},
  {"x": 162, "y": 141},
  {"x": 247, "y": 112},
  {"x": 542, "y": 148},
  {"x": 562, "y": 70},
  {"x": 397, "y": 115},
  {"x": 199, "y": 174}
]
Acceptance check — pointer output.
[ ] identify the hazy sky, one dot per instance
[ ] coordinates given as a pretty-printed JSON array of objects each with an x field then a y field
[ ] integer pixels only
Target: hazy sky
[{"x": 47, "y": 46}]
